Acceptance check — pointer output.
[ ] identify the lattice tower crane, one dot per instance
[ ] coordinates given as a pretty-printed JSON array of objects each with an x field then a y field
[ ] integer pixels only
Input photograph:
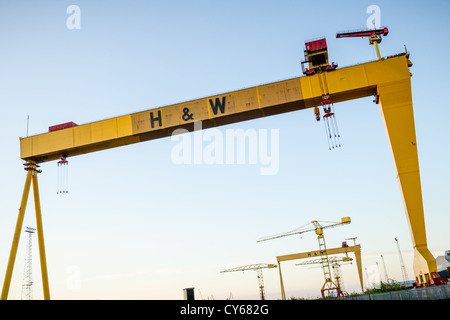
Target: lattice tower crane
[
  {"x": 258, "y": 267},
  {"x": 27, "y": 285},
  {"x": 336, "y": 265},
  {"x": 402, "y": 264},
  {"x": 329, "y": 285},
  {"x": 388, "y": 280}
]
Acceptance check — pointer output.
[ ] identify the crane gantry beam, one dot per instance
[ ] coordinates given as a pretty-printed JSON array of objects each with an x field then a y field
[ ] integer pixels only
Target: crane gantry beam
[
  {"x": 317, "y": 254},
  {"x": 246, "y": 104},
  {"x": 388, "y": 79}
]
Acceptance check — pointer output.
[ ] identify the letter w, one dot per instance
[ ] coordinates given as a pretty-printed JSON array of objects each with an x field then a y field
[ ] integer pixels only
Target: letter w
[{"x": 217, "y": 104}]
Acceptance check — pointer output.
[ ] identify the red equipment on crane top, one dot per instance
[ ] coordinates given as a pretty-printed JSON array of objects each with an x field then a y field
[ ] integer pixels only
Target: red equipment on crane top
[
  {"x": 62, "y": 126},
  {"x": 316, "y": 56},
  {"x": 363, "y": 33},
  {"x": 316, "y": 44},
  {"x": 373, "y": 34}
]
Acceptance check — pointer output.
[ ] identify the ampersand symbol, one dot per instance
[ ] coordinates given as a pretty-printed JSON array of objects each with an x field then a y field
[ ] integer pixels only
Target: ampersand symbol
[{"x": 186, "y": 115}]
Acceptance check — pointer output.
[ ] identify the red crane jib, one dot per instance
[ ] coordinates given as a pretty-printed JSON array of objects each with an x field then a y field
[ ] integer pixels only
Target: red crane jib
[{"x": 363, "y": 33}]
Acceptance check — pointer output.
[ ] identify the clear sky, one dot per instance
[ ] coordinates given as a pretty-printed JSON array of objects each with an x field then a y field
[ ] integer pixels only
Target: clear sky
[{"x": 136, "y": 225}]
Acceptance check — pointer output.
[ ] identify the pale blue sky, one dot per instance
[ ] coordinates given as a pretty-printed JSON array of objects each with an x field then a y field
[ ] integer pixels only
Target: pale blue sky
[{"x": 136, "y": 225}]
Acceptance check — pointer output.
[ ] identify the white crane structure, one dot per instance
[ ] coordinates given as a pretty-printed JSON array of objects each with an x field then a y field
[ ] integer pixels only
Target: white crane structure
[
  {"x": 258, "y": 267},
  {"x": 402, "y": 264},
  {"x": 335, "y": 264}
]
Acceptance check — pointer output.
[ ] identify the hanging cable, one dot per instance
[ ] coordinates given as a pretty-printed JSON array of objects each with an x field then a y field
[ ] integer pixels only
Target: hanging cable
[
  {"x": 336, "y": 130},
  {"x": 330, "y": 123},
  {"x": 62, "y": 176}
]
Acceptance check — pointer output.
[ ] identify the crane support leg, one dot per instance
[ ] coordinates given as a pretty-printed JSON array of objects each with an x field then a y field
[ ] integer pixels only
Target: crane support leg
[
  {"x": 31, "y": 179},
  {"x": 397, "y": 112},
  {"x": 283, "y": 294},
  {"x": 17, "y": 232},
  {"x": 359, "y": 267},
  {"x": 40, "y": 234}
]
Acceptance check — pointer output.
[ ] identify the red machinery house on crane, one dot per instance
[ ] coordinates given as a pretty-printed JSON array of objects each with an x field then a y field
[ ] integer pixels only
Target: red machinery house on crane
[{"x": 316, "y": 55}]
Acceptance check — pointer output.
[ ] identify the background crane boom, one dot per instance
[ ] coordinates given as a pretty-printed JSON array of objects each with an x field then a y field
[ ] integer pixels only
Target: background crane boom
[
  {"x": 317, "y": 226},
  {"x": 258, "y": 267}
]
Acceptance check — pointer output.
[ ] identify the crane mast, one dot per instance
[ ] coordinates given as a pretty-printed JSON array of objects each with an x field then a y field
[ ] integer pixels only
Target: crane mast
[
  {"x": 27, "y": 285},
  {"x": 335, "y": 263},
  {"x": 402, "y": 264},
  {"x": 385, "y": 271}
]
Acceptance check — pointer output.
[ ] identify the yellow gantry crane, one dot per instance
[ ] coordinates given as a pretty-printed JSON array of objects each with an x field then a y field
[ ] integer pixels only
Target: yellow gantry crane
[
  {"x": 335, "y": 264},
  {"x": 318, "y": 227},
  {"x": 259, "y": 273},
  {"x": 388, "y": 79},
  {"x": 356, "y": 249}
]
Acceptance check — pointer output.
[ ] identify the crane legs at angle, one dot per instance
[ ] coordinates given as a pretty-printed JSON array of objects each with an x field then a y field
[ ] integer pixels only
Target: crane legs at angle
[{"x": 32, "y": 171}]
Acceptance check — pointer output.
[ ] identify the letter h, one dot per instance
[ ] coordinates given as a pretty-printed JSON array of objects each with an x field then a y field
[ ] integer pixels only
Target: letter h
[{"x": 158, "y": 118}]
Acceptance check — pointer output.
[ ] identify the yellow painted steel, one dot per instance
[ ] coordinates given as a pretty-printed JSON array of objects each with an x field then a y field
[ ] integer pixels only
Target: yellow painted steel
[
  {"x": 40, "y": 234},
  {"x": 15, "y": 243},
  {"x": 317, "y": 253},
  {"x": 32, "y": 171},
  {"x": 397, "y": 111},
  {"x": 388, "y": 78},
  {"x": 246, "y": 104},
  {"x": 375, "y": 40}
]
